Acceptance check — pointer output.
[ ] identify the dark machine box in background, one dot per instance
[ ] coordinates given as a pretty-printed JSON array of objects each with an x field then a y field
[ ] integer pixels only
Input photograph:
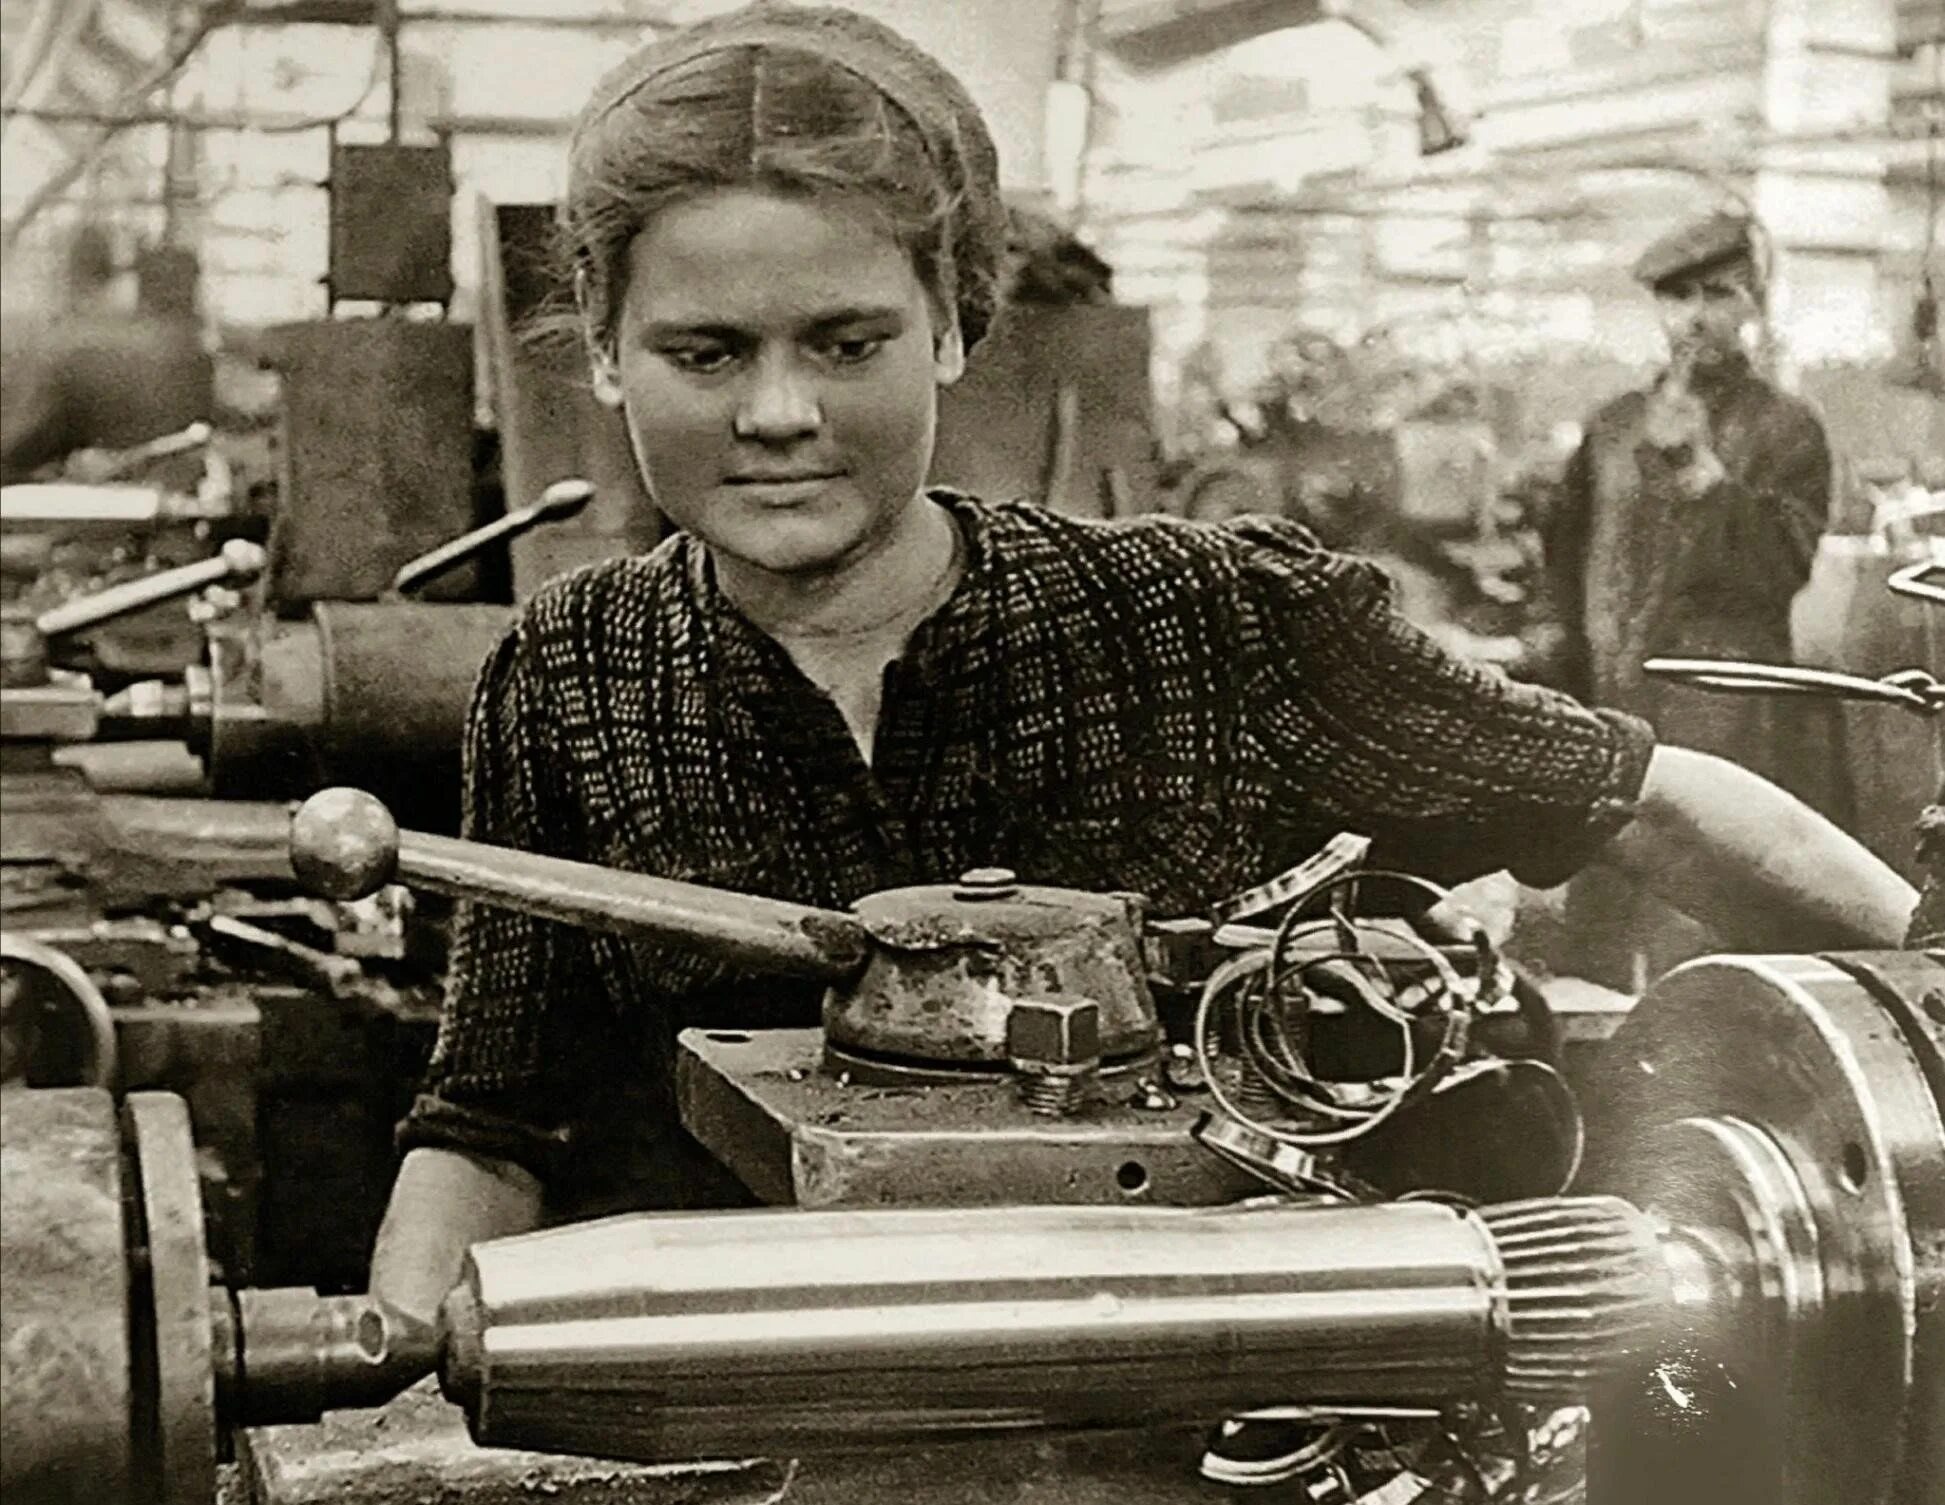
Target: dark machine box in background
[
  {"x": 551, "y": 427},
  {"x": 391, "y": 223},
  {"x": 377, "y": 459},
  {"x": 1054, "y": 406}
]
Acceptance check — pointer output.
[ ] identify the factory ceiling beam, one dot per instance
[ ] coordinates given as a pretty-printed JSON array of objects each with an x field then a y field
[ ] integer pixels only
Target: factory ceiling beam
[
  {"x": 370, "y": 13},
  {"x": 1163, "y": 33}
]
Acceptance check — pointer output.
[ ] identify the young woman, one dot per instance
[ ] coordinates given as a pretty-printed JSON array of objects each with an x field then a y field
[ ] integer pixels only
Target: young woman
[{"x": 786, "y": 234}]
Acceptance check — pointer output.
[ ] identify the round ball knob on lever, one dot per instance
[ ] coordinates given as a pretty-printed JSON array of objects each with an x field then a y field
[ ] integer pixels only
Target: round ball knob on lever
[
  {"x": 343, "y": 844},
  {"x": 563, "y": 499}
]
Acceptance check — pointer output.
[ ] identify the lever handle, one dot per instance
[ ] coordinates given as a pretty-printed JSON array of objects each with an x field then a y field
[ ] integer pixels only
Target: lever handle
[
  {"x": 560, "y": 501},
  {"x": 1914, "y": 689},
  {"x": 109, "y": 465},
  {"x": 344, "y": 844},
  {"x": 1923, "y": 581},
  {"x": 239, "y": 562}
]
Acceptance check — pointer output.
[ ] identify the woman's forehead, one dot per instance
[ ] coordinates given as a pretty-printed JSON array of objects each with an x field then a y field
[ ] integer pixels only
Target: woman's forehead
[{"x": 742, "y": 256}]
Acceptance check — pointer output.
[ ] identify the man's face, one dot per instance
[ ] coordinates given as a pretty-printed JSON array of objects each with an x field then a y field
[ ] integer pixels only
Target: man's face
[
  {"x": 1706, "y": 317},
  {"x": 778, "y": 362}
]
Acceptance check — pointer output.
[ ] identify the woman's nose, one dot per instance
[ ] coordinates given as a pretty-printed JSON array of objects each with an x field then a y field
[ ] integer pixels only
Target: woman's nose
[{"x": 779, "y": 403}]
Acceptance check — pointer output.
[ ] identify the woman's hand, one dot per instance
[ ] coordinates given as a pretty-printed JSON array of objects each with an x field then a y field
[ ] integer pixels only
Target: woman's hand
[
  {"x": 1762, "y": 869},
  {"x": 1487, "y": 904}
]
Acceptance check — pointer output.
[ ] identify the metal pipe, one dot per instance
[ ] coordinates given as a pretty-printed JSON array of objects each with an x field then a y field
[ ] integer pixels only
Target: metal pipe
[
  {"x": 344, "y": 845},
  {"x": 766, "y": 934},
  {"x": 239, "y": 561},
  {"x": 736, "y": 1334},
  {"x": 286, "y": 1354}
]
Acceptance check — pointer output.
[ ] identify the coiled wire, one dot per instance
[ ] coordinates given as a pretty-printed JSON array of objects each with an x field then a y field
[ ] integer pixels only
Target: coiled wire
[{"x": 1260, "y": 992}]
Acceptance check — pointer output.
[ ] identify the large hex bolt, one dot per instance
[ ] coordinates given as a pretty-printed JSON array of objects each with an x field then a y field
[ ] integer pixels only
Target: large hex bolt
[{"x": 1055, "y": 1048}]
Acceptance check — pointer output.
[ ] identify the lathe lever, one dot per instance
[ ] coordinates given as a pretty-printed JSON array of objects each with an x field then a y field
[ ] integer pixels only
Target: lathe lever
[
  {"x": 344, "y": 844},
  {"x": 239, "y": 562},
  {"x": 560, "y": 501}
]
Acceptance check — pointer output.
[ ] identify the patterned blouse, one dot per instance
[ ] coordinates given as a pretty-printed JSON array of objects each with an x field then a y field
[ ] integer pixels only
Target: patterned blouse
[{"x": 1173, "y": 708}]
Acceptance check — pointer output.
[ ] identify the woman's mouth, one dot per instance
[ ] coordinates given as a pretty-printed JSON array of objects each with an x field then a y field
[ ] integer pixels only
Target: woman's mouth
[{"x": 783, "y": 490}]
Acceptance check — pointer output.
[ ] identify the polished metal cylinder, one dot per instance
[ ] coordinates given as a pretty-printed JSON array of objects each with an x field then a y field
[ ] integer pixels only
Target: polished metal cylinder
[{"x": 666, "y": 1336}]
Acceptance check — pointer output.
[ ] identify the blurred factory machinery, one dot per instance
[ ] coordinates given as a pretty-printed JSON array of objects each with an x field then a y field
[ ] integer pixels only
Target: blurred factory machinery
[
  {"x": 1201, "y": 1193},
  {"x": 153, "y": 936}
]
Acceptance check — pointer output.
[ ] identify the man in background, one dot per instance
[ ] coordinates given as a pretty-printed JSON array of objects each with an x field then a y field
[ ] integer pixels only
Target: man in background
[{"x": 1685, "y": 524}]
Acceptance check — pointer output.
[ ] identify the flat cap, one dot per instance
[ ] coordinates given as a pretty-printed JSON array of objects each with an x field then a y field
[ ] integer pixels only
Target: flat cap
[{"x": 1694, "y": 248}]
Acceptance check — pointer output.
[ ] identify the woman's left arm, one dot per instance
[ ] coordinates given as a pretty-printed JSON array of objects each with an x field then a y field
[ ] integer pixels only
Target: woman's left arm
[{"x": 1754, "y": 863}]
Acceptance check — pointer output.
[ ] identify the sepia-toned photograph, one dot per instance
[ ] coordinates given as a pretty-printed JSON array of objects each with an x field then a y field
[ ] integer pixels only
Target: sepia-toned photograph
[{"x": 972, "y": 752}]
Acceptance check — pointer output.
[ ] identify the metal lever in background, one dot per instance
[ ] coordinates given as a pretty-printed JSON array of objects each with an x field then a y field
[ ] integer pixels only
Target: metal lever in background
[
  {"x": 239, "y": 562},
  {"x": 1914, "y": 689},
  {"x": 560, "y": 501},
  {"x": 113, "y": 464}
]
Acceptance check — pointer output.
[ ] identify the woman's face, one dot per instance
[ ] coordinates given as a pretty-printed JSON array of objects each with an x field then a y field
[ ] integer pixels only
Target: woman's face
[{"x": 778, "y": 362}]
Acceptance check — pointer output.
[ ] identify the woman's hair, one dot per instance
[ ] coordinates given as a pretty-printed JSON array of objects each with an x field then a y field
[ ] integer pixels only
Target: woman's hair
[{"x": 797, "y": 101}]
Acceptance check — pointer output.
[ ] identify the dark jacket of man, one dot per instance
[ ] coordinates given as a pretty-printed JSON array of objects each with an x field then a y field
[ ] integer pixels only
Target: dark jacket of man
[{"x": 1638, "y": 569}]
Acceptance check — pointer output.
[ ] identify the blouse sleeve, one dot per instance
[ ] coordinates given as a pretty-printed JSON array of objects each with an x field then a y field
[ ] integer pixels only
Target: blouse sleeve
[
  {"x": 1451, "y": 768},
  {"x": 525, "y": 1016}
]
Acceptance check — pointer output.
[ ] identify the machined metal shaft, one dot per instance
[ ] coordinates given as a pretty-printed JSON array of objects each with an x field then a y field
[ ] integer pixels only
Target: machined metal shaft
[{"x": 728, "y": 1335}]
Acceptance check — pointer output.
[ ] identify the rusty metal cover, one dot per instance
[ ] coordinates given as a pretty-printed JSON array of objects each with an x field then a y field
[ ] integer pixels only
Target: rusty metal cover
[
  {"x": 798, "y": 1135},
  {"x": 951, "y": 960}
]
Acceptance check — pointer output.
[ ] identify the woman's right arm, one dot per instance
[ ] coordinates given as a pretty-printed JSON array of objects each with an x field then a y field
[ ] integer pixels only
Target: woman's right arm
[
  {"x": 520, "y": 1032},
  {"x": 443, "y": 1203}
]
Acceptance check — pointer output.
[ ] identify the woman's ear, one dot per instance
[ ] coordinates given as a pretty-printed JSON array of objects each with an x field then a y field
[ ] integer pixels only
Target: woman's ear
[
  {"x": 949, "y": 355},
  {"x": 603, "y": 363},
  {"x": 606, "y": 371}
]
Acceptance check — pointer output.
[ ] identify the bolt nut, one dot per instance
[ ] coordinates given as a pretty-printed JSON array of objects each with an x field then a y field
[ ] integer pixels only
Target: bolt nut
[
  {"x": 1054, "y": 1034},
  {"x": 987, "y": 883}
]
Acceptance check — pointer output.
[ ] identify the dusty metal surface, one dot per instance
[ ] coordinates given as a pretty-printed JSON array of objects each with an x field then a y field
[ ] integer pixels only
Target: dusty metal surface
[
  {"x": 60, "y": 712},
  {"x": 68, "y": 854},
  {"x": 794, "y": 1133},
  {"x": 65, "y": 1403},
  {"x": 415, "y": 1451}
]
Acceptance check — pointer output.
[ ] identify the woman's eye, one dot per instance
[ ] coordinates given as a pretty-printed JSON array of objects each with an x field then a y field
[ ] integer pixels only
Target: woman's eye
[
  {"x": 851, "y": 352},
  {"x": 698, "y": 358}
]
